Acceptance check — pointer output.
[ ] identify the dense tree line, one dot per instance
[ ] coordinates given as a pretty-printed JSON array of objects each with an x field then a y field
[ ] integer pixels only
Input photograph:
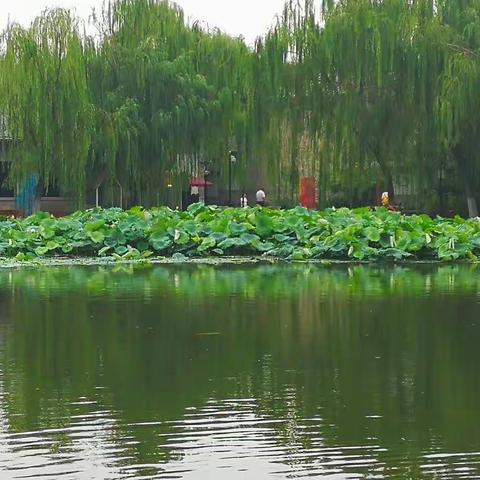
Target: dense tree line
[
  {"x": 358, "y": 93},
  {"x": 388, "y": 90}
]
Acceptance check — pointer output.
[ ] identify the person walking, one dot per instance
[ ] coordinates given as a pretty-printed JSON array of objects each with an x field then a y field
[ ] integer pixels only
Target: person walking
[
  {"x": 244, "y": 201},
  {"x": 261, "y": 196}
]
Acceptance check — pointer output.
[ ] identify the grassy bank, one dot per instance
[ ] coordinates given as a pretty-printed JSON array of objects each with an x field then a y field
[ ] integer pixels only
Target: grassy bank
[{"x": 201, "y": 231}]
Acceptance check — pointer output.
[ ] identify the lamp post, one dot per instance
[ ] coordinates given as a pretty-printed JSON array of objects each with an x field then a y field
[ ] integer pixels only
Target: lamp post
[
  {"x": 169, "y": 188},
  {"x": 232, "y": 159},
  {"x": 206, "y": 173}
]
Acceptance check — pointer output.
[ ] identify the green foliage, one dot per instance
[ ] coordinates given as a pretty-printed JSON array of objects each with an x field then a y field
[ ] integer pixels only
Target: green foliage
[
  {"x": 380, "y": 92},
  {"x": 358, "y": 94},
  {"x": 297, "y": 234},
  {"x": 143, "y": 102}
]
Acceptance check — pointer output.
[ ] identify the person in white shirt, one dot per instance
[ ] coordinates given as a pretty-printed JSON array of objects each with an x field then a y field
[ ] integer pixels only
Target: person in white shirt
[{"x": 260, "y": 196}]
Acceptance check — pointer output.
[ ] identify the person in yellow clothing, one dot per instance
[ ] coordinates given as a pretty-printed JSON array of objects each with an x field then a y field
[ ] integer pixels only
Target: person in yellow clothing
[{"x": 386, "y": 202}]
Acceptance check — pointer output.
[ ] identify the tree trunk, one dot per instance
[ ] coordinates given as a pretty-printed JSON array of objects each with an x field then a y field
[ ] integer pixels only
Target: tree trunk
[
  {"x": 472, "y": 206},
  {"x": 386, "y": 174},
  {"x": 471, "y": 200},
  {"x": 391, "y": 188},
  {"x": 469, "y": 190}
]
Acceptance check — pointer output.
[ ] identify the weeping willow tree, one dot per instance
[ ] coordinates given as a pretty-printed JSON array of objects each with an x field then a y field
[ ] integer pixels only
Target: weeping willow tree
[
  {"x": 46, "y": 101},
  {"x": 351, "y": 83},
  {"x": 147, "y": 100},
  {"x": 458, "y": 99},
  {"x": 384, "y": 91},
  {"x": 169, "y": 96},
  {"x": 361, "y": 94}
]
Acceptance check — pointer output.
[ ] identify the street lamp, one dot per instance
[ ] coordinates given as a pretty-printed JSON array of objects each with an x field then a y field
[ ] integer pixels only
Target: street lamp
[{"x": 232, "y": 159}]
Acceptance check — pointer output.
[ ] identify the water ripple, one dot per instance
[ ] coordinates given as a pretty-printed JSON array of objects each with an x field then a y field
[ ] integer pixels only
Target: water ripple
[{"x": 228, "y": 436}]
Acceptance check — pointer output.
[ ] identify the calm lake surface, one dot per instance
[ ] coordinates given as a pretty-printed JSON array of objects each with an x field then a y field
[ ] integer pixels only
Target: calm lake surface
[{"x": 244, "y": 372}]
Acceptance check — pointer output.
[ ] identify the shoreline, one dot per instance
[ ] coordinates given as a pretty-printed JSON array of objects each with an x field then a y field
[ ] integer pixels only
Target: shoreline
[{"x": 10, "y": 263}]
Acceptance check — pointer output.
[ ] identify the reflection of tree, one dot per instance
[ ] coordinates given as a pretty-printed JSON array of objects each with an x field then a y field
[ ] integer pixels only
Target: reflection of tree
[
  {"x": 341, "y": 345},
  {"x": 194, "y": 282}
]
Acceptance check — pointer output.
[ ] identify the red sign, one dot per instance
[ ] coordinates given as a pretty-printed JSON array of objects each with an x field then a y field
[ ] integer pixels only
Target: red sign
[{"x": 308, "y": 192}]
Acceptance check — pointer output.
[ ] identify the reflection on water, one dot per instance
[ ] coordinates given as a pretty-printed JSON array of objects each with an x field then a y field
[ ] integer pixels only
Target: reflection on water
[{"x": 243, "y": 372}]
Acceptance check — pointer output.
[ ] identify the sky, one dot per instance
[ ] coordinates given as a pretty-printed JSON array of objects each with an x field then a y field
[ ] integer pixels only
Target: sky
[{"x": 249, "y": 18}]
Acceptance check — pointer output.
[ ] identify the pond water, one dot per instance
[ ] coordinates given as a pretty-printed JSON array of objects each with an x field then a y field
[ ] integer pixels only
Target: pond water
[{"x": 248, "y": 372}]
